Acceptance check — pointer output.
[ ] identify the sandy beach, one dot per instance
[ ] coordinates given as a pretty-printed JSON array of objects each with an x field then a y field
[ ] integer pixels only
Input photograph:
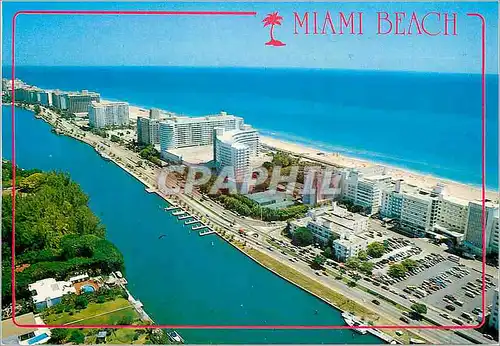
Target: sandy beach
[
  {"x": 135, "y": 112},
  {"x": 453, "y": 188}
]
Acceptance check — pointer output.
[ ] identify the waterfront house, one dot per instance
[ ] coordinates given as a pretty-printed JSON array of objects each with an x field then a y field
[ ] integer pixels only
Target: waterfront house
[{"x": 49, "y": 292}]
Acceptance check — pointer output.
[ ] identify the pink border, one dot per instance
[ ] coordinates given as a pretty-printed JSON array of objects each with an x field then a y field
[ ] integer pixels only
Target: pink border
[{"x": 236, "y": 13}]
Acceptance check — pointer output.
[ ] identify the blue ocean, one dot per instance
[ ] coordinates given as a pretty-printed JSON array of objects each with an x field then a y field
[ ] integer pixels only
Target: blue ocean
[{"x": 426, "y": 122}]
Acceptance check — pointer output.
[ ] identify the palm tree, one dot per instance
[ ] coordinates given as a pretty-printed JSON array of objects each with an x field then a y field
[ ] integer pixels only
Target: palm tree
[{"x": 273, "y": 19}]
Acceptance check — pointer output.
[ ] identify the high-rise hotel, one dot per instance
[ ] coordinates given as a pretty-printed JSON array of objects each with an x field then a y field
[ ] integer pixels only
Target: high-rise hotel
[
  {"x": 236, "y": 148},
  {"x": 179, "y": 132},
  {"x": 148, "y": 129},
  {"x": 106, "y": 114}
]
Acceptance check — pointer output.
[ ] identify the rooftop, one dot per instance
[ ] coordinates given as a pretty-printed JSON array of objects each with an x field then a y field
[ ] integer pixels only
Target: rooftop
[
  {"x": 10, "y": 329},
  {"x": 47, "y": 289},
  {"x": 351, "y": 240},
  {"x": 213, "y": 117}
]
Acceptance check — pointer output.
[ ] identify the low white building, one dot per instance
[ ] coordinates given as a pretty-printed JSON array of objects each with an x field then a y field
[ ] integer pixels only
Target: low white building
[
  {"x": 349, "y": 246},
  {"x": 364, "y": 187},
  {"x": 331, "y": 221},
  {"x": 49, "y": 292}
]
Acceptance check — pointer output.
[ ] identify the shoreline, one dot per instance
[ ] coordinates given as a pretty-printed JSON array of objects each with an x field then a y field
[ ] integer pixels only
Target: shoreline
[
  {"x": 411, "y": 177},
  {"x": 463, "y": 190}
]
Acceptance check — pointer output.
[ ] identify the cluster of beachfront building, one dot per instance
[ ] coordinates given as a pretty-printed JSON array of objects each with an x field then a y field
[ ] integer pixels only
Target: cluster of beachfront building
[
  {"x": 231, "y": 142},
  {"x": 101, "y": 114},
  {"x": 418, "y": 212}
]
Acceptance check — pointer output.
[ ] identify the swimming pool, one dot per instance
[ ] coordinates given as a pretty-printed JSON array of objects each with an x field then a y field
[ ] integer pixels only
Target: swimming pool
[
  {"x": 37, "y": 338},
  {"x": 87, "y": 289}
]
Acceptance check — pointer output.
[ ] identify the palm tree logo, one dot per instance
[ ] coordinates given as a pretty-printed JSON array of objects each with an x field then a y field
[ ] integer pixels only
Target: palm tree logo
[{"x": 273, "y": 19}]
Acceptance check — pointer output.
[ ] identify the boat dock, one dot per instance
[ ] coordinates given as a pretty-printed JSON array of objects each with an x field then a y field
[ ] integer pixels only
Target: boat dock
[
  {"x": 195, "y": 228},
  {"x": 172, "y": 207},
  {"x": 179, "y": 212},
  {"x": 207, "y": 232},
  {"x": 191, "y": 222},
  {"x": 185, "y": 217}
]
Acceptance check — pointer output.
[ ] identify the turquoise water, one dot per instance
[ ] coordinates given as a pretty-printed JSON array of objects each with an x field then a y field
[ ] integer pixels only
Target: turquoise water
[
  {"x": 181, "y": 278},
  {"x": 37, "y": 338},
  {"x": 87, "y": 289}
]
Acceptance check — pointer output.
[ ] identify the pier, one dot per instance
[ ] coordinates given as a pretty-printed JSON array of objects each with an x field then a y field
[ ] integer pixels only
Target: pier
[
  {"x": 179, "y": 212},
  {"x": 207, "y": 232},
  {"x": 185, "y": 217},
  {"x": 172, "y": 207},
  {"x": 195, "y": 228},
  {"x": 191, "y": 222}
]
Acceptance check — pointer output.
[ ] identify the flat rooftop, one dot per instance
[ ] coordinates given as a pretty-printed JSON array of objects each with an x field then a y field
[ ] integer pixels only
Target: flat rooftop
[
  {"x": 50, "y": 289},
  {"x": 10, "y": 329},
  {"x": 186, "y": 120},
  {"x": 195, "y": 155}
]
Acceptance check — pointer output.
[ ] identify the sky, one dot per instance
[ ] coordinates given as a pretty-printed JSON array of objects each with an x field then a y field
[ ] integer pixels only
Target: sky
[{"x": 239, "y": 41}]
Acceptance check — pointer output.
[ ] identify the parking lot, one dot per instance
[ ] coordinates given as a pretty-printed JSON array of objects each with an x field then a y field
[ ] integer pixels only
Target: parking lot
[{"x": 449, "y": 286}]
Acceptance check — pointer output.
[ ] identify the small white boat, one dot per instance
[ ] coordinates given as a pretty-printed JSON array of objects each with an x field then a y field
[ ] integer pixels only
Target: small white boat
[
  {"x": 353, "y": 321},
  {"x": 175, "y": 337},
  {"x": 416, "y": 341}
]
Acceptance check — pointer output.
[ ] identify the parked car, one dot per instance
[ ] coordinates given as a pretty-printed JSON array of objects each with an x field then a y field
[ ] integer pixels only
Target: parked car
[
  {"x": 376, "y": 302},
  {"x": 450, "y": 307},
  {"x": 404, "y": 319}
]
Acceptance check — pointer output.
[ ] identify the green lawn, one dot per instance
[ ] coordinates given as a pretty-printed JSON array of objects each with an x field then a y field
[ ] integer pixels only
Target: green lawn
[
  {"x": 113, "y": 317},
  {"x": 92, "y": 310}
]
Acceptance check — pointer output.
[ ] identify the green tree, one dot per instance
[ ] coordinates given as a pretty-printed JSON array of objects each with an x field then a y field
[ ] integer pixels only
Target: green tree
[
  {"x": 37, "y": 109},
  {"x": 375, "y": 249},
  {"x": 418, "y": 310},
  {"x": 77, "y": 337},
  {"x": 366, "y": 268},
  {"x": 32, "y": 182},
  {"x": 81, "y": 302},
  {"x": 318, "y": 261},
  {"x": 115, "y": 138},
  {"x": 409, "y": 263},
  {"x": 352, "y": 263},
  {"x": 328, "y": 253},
  {"x": 397, "y": 270},
  {"x": 362, "y": 255},
  {"x": 302, "y": 236},
  {"x": 58, "y": 335}
]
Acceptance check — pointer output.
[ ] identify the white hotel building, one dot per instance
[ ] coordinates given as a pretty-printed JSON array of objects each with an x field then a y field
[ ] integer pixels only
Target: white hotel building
[
  {"x": 349, "y": 246},
  {"x": 236, "y": 148},
  {"x": 364, "y": 187},
  {"x": 420, "y": 211},
  {"x": 329, "y": 221},
  {"x": 106, "y": 114},
  {"x": 182, "y": 132}
]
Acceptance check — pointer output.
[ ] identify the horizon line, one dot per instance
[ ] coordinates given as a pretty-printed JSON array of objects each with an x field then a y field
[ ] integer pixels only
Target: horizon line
[{"x": 258, "y": 67}]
